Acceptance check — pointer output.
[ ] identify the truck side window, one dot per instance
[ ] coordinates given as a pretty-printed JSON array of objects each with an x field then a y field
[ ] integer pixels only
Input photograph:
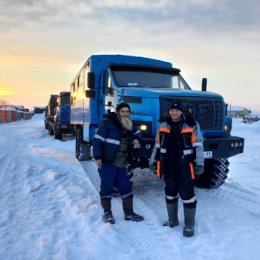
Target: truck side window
[
  {"x": 80, "y": 83},
  {"x": 85, "y": 81},
  {"x": 73, "y": 86}
]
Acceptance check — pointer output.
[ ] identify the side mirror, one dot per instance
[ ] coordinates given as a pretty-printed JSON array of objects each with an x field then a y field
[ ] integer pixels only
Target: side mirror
[
  {"x": 204, "y": 84},
  {"x": 91, "y": 80},
  {"x": 90, "y": 93}
]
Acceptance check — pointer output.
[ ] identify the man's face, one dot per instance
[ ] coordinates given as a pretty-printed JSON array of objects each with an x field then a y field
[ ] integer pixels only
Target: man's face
[
  {"x": 124, "y": 112},
  {"x": 175, "y": 115}
]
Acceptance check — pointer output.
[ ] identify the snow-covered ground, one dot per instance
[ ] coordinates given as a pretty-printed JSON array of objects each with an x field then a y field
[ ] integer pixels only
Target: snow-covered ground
[{"x": 49, "y": 205}]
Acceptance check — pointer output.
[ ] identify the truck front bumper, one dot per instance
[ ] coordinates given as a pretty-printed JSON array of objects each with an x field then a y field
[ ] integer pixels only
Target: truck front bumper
[
  {"x": 146, "y": 150},
  {"x": 223, "y": 147}
]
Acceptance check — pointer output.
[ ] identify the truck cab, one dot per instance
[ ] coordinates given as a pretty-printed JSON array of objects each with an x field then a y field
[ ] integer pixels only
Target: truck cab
[{"x": 149, "y": 86}]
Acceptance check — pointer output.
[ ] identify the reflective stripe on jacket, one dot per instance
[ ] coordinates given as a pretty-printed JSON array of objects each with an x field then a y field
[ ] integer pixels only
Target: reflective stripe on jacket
[{"x": 107, "y": 139}]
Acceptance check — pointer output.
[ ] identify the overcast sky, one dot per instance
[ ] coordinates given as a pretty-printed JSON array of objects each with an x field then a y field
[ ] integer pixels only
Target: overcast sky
[{"x": 44, "y": 43}]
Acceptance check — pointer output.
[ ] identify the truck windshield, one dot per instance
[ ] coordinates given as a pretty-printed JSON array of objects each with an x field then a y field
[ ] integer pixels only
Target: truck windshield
[{"x": 149, "y": 79}]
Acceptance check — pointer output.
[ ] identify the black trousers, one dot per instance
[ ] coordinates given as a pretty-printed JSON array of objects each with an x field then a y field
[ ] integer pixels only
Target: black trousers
[
  {"x": 176, "y": 184},
  {"x": 174, "y": 187}
]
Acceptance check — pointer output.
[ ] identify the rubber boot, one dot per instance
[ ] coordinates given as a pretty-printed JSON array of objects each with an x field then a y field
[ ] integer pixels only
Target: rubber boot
[
  {"x": 172, "y": 209},
  {"x": 129, "y": 213},
  {"x": 189, "y": 220},
  {"x": 108, "y": 216}
]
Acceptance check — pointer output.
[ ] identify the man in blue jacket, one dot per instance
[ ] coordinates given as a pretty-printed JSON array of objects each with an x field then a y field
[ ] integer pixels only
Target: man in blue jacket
[{"x": 113, "y": 149}]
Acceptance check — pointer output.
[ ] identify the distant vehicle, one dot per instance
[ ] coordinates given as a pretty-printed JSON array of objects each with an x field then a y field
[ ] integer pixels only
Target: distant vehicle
[
  {"x": 237, "y": 111},
  {"x": 252, "y": 117},
  {"x": 50, "y": 113},
  {"x": 149, "y": 86},
  {"x": 57, "y": 115},
  {"x": 38, "y": 109}
]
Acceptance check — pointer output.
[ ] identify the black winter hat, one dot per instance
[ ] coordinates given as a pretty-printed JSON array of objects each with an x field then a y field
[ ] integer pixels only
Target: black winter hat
[
  {"x": 176, "y": 104},
  {"x": 121, "y": 105}
]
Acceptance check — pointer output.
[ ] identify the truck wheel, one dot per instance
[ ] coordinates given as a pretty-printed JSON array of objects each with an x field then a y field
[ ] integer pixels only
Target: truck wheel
[
  {"x": 57, "y": 134},
  {"x": 215, "y": 174},
  {"x": 51, "y": 132},
  {"x": 82, "y": 149}
]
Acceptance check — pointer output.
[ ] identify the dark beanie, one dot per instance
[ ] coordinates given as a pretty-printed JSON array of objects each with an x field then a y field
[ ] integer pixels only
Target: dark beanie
[
  {"x": 121, "y": 105},
  {"x": 176, "y": 104}
]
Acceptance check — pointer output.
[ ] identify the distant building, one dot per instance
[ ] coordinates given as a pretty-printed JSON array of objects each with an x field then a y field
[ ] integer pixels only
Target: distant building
[
  {"x": 237, "y": 111},
  {"x": 39, "y": 109}
]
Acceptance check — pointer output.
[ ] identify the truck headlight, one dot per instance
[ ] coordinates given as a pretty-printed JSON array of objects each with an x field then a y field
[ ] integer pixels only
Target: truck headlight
[
  {"x": 227, "y": 126},
  {"x": 143, "y": 127},
  {"x": 227, "y": 130}
]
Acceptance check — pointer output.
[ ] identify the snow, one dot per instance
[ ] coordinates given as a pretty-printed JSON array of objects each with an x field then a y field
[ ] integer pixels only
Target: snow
[{"x": 49, "y": 206}]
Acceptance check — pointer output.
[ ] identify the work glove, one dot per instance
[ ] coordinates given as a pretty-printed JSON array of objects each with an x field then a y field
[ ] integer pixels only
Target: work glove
[{"x": 199, "y": 170}]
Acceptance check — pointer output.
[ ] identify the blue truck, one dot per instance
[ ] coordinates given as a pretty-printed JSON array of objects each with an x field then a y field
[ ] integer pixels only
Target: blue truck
[
  {"x": 57, "y": 116},
  {"x": 149, "y": 85}
]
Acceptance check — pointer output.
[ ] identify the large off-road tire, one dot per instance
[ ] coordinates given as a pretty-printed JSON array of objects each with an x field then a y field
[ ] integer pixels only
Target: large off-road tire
[
  {"x": 57, "y": 133},
  {"x": 51, "y": 132},
  {"x": 82, "y": 148},
  {"x": 215, "y": 174},
  {"x": 46, "y": 124}
]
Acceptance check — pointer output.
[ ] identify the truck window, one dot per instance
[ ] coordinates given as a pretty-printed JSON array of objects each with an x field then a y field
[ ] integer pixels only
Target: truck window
[
  {"x": 148, "y": 79},
  {"x": 86, "y": 71},
  {"x": 80, "y": 84}
]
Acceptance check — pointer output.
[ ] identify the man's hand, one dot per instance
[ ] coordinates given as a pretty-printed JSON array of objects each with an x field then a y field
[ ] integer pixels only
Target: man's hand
[
  {"x": 136, "y": 144},
  {"x": 99, "y": 163},
  {"x": 199, "y": 170}
]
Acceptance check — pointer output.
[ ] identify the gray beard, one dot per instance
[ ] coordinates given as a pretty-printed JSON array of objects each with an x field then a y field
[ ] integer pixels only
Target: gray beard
[{"x": 126, "y": 123}]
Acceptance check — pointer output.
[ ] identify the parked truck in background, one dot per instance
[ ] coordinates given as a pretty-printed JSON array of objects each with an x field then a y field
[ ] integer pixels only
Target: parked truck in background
[
  {"x": 149, "y": 86},
  {"x": 50, "y": 113},
  {"x": 57, "y": 116}
]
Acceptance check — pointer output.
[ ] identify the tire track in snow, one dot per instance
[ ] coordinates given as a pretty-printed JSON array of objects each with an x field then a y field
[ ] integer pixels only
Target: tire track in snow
[{"x": 232, "y": 192}]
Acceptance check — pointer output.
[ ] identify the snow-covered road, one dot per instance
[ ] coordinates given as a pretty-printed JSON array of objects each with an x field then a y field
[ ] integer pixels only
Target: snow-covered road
[{"x": 49, "y": 205}]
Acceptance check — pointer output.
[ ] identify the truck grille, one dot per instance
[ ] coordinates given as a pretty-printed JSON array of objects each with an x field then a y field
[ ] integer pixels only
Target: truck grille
[
  {"x": 209, "y": 112},
  {"x": 132, "y": 99}
]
